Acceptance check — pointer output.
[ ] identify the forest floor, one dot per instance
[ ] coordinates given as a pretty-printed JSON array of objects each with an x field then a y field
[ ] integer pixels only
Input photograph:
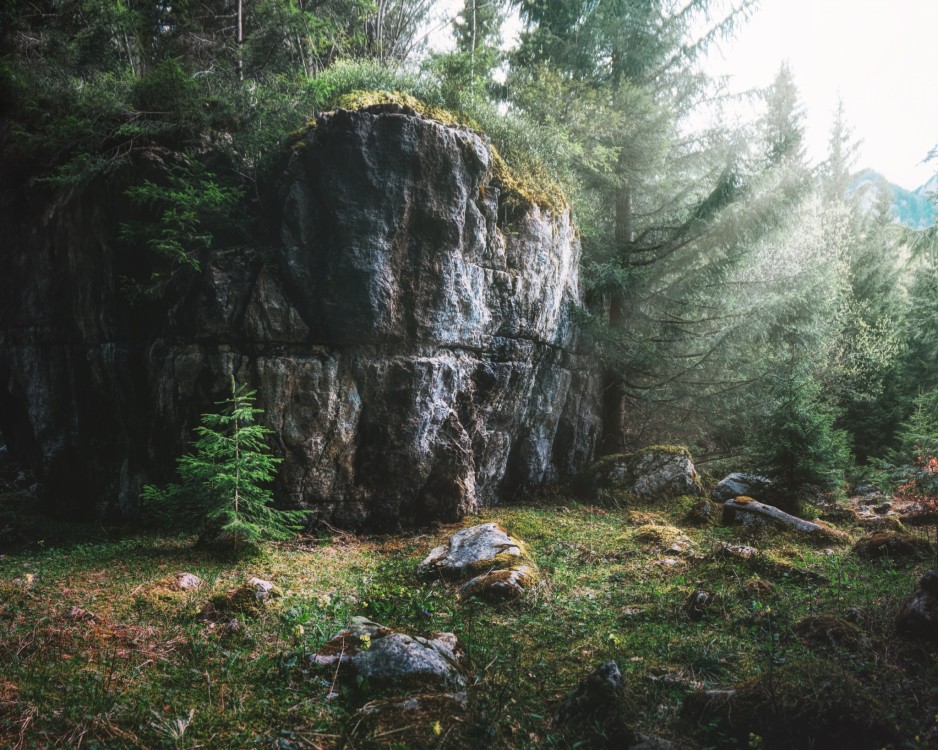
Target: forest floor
[{"x": 95, "y": 652}]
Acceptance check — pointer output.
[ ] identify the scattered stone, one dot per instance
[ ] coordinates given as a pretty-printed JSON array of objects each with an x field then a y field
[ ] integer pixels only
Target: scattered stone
[
  {"x": 480, "y": 548},
  {"x": 77, "y": 614},
  {"x": 596, "y": 696},
  {"x": 739, "y": 551},
  {"x": 392, "y": 659},
  {"x": 918, "y": 617},
  {"x": 187, "y": 582},
  {"x": 500, "y": 585},
  {"x": 656, "y": 472},
  {"x": 746, "y": 505},
  {"x": 25, "y": 582},
  {"x": 418, "y": 722},
  {"x": 740, "y": 484},
  {"x": 697, "y": 604},
  {"x": 830, "y": 632},
  {"x": 893, "y": 544}
]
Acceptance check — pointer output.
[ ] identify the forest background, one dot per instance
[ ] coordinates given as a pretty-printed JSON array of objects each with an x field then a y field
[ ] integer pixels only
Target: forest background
[{"x": 741, "y": 300}]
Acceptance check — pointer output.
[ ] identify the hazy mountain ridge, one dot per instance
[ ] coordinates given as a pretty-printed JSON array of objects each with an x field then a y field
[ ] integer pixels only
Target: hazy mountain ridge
[{"x": 911, "y": 208}]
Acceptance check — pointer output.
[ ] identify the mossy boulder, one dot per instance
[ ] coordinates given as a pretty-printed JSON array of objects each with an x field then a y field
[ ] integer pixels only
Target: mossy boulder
[
  {"x": 896, "y": 545},
  {"x": 918, "y": 617},
  {"x": 812, "y": 704},
  {"x": 498, "y": 565},
  {"x": 827, "y": 631},
  {"x": 500, "y": 585},
  {"x": 473, "y": 551},
  {"x": 658, "y": 472},
  {"x": 249, "y": 599}
]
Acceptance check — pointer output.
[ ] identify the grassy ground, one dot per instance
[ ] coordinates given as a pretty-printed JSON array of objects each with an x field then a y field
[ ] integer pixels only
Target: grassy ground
[{"x": 135, "y": 666}]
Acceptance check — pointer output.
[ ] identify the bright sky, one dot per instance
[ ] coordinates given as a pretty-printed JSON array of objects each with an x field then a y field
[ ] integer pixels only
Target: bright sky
[{"x": 878, "y": 55}]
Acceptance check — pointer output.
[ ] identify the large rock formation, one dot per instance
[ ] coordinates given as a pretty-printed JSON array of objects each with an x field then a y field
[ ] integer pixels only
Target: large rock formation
[{"x": 410, "y": 338}]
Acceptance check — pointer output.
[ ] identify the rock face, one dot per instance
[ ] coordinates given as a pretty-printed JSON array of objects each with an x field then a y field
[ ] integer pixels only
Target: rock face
[{"x": 410, "y": 338}]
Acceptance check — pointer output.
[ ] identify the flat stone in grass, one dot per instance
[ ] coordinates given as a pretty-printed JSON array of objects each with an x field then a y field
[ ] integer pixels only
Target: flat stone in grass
[
  {"x": 479, "y": 548},
  {"x": 183, "y": 581},
  {"x": 390, "y": 659}
]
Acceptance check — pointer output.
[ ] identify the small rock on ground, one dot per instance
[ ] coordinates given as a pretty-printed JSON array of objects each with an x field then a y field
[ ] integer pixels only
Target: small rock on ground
[
  {"x": 392, "y": 659},
  {"x": 474, "y": 550},
  {"x": 918, "y": 617}
]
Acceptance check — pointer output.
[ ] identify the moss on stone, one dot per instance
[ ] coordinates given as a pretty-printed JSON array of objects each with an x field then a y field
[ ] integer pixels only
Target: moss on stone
[{"x": 521, "y": 184}]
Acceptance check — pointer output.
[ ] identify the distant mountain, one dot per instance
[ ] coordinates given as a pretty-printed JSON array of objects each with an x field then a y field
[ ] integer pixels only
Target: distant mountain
[{"x": 912, "y": 208}]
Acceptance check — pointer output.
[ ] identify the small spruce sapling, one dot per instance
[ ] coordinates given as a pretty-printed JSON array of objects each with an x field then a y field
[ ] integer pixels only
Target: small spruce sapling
[{"x": 224, "y": 480}]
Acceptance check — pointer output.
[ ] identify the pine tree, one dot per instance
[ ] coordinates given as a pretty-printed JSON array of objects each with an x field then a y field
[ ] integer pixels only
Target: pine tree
[
  {"x": 225, "y": 479},
  {"x": 798, "y": 447}
]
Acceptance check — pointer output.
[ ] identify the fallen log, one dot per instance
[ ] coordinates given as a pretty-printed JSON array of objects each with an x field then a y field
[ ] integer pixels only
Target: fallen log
[{"x": 748, "y": 505}]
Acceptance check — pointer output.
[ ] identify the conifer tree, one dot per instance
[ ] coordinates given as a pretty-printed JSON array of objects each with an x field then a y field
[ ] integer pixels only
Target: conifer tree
[{"x": 225, "y": 479}]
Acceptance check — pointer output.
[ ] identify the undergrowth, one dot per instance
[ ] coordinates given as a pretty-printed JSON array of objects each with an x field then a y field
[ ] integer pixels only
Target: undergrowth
[{"x": 94, "y": 651}]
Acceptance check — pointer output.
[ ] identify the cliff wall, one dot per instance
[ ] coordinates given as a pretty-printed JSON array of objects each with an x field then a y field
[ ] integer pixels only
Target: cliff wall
[{"x": 411, "y": 336}]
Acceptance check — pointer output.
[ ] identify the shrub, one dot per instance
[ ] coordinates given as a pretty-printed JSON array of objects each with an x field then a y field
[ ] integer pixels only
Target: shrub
[{"x": 224, "y": 480}]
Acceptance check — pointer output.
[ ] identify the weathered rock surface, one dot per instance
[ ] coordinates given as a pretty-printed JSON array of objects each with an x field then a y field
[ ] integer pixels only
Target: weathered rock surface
[
  {"x": 184, "y": 581},
  {"x": 918, "y": 617},
  {"x": 410, "y": 336},
  {"x": 476, "y": 549},
  {"x": 395, "y": 660},
  {"x": 500, "y": 585},
  {"x": 656, "y": 472},
  {"x": 740, "y": 484}
]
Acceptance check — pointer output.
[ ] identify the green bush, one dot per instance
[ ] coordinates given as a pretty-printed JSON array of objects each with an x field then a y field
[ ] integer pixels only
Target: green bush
[
  {"x": 796, "y": 445},
  {"x": 225, "y": 480}
]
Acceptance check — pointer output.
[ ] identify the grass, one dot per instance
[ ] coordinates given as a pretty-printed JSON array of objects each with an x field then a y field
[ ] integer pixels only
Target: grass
[{"x": 133, "y": 666}]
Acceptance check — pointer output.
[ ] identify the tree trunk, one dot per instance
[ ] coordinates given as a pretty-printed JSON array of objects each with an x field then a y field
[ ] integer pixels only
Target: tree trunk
[
  {"x": 240, "y": 40},
  {"x": 614, "y": 400}
]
